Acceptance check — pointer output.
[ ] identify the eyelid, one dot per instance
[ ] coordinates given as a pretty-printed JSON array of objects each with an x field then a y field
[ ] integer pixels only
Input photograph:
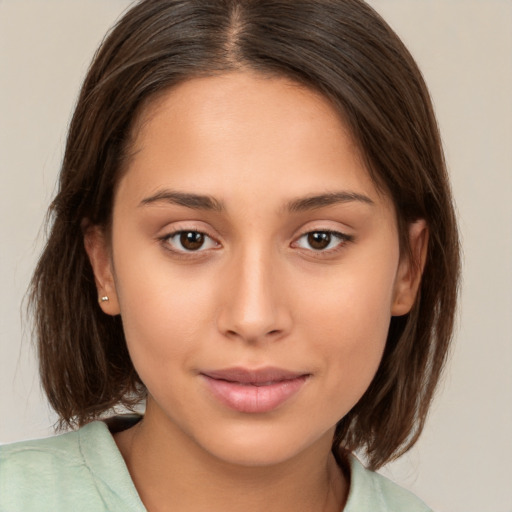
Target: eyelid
[
  {"x": 343, "y": 239},
  {"x": 207, "y": 237},
  {"x": 183, "y": 228}
]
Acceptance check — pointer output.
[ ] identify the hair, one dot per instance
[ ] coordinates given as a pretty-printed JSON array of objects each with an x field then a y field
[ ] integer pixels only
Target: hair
[{"x": 339, "y": 48}]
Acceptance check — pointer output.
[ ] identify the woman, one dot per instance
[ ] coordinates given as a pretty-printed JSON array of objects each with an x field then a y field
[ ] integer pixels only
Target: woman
[{"x": 254, "y": 232}]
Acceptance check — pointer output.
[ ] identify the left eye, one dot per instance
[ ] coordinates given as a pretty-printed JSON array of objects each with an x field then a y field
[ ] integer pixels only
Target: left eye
[
  {"x": 321, "y": 240},
  {"x": 190, "y": 241}
]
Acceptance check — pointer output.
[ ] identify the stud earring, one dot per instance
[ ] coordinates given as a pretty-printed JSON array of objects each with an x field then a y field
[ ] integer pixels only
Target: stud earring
[{"x": 103, "y": 299}]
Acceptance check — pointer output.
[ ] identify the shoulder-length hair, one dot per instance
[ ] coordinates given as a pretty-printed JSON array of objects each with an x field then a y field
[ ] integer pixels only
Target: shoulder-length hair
[{"x": 340, "y": 48}]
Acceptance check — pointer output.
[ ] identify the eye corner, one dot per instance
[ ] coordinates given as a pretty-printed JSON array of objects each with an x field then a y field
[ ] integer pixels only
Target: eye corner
[
  {"x": 322, "y": 242},
  {"x": 189, "y": 242}
]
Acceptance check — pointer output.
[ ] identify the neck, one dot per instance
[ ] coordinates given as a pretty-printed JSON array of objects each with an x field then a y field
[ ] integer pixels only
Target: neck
[{"x": 171, "y": 472}]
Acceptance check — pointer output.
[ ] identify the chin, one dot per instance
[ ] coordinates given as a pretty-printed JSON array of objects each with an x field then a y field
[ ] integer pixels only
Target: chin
[{"x": 267, "y": 446}]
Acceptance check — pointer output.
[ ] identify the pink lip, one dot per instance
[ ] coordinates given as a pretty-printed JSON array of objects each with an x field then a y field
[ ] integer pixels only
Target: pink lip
[{"x": 253, "y": 391}]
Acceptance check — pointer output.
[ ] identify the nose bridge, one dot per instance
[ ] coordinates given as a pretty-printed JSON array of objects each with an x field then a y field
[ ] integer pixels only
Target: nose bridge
[{"x": 254, "y": 308}]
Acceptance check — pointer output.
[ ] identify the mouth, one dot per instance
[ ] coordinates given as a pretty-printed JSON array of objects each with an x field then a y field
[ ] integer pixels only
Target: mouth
[{"x": 254, "y": 391}]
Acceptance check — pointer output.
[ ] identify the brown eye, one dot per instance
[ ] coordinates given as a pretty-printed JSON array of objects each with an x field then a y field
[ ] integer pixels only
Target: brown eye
[
  {"x": 319, "y": 240},
  {"x": 322, "y": 241},
  {"x": 191, "y": 240}
]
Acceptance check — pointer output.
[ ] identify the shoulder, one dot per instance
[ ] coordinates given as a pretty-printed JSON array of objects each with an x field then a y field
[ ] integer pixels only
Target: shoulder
[
  {"x": 66, "y": 472},
  {"x": 61, "y": 449},
  {"x": 370, "y": 492},
  {"x": 39, "y": 462},
  {"x": 32, "y": 472}
]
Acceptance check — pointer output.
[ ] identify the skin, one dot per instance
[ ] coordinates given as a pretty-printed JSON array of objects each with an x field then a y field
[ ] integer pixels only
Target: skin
[{"x": 255, "y": 294}]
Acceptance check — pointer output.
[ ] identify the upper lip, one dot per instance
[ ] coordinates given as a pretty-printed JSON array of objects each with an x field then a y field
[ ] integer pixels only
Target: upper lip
[{"x": 253, "y": 376}]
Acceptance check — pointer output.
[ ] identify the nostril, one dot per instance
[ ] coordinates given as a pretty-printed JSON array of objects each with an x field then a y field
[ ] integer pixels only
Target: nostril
[{"x": 234, "y": 334}]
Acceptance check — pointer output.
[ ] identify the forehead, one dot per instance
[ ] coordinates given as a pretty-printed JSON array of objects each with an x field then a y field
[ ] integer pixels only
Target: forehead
[
  {"x": 212, "y": 105},
  {"x": 246, "y": 131}
]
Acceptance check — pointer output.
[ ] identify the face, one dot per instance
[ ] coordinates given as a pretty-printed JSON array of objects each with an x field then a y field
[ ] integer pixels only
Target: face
[{"x": 255, "y": 267}]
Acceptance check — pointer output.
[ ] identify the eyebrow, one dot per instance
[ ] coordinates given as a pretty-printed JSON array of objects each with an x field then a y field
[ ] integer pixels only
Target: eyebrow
[
  {"x": 323, "y": 200},
  {"x": 189, "y": 200},
  {"x": 209, "y": 203}
]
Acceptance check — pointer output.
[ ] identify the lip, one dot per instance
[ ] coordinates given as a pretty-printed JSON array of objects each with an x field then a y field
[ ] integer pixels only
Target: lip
[{"x": 254, "y": 391}]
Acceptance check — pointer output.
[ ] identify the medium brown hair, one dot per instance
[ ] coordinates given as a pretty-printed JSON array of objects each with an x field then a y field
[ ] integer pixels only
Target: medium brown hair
[{"x": 340, "y": 48}]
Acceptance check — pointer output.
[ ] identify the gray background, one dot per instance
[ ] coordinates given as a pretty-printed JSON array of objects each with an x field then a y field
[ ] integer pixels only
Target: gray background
[{"x": 463, "y": 461}]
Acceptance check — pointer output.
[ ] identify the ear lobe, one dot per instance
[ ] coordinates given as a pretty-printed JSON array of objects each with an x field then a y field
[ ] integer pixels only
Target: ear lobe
[
  {"x": 410, "y": 269},
  {"x": 97, "y": 248}
]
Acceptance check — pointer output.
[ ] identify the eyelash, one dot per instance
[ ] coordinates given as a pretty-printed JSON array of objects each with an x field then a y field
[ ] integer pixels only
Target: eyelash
[
  {"x": 342, "y": 240},
  {"x": 166, "y": 240}
]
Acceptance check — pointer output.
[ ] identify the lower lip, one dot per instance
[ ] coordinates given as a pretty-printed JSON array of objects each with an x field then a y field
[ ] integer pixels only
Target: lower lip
[{"x": 254, "y": 399}]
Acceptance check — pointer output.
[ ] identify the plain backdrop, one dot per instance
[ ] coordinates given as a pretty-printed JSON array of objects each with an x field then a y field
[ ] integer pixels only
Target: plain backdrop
[{"x": 463, "y": 462}]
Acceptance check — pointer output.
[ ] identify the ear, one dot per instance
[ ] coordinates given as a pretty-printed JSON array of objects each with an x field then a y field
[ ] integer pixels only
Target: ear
[
  {"x": 97, "y": 247},
  {"x": 410, "y": 269}
]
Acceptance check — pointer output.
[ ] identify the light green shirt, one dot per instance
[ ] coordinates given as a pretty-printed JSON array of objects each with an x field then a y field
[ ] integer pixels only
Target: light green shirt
[{"x": 84, "y": 471}]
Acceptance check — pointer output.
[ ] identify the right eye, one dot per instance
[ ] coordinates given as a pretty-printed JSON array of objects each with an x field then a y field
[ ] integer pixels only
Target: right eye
[{"x": 189, "y": 241}]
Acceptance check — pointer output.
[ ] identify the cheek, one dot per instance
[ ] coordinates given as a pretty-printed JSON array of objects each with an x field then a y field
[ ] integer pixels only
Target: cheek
[
  {"x": 353, "y": 303},
  {"x": 348, "y": 322},
  {"x": 160, "y": 310}
]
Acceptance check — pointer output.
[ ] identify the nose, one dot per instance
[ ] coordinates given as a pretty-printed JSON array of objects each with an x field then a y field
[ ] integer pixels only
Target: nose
[{"x": 254, "y": 308}]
